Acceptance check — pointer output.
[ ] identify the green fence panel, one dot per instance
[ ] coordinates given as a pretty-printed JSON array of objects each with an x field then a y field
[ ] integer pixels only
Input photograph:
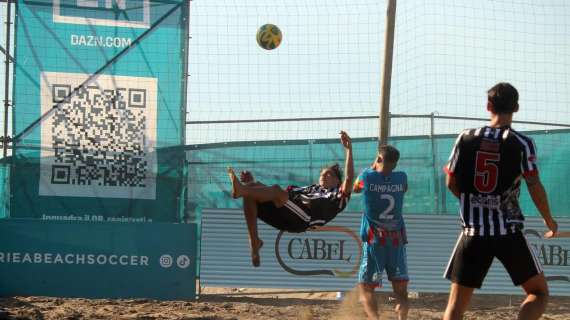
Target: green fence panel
[{"x": 422, "y": 158}]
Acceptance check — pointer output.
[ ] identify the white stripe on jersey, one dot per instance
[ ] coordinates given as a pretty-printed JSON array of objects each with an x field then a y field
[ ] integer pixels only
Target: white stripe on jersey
[
  {"x": 502, "y": 228},
  {"x": 456, "y": 143},
  {"x": 487, "y": 132},
  {"x": 506, "y": 134},
  {"x": 528, "y": 153},
  {"x": 481, "y": 222},
  {"x": 296, "y": 210},
  {"x": 491, "y": 222},
  {"x": 470, "y": 211},
  {"x": 455, "y": 152},
  {"x": 485, "y": 208},
  {"x": 497, "y": 132}
]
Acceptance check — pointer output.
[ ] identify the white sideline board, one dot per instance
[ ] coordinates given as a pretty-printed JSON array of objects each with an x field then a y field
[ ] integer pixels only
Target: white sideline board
[{"x": 329, "y": 260}]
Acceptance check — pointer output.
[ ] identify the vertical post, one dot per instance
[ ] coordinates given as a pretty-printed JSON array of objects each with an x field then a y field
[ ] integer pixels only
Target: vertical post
[
  {"x": 7, "y": 77},
  {"x": 310, "y": 145},
  {"x": 185, "y": 208},
  {"x": 387, "y": 71},
  {"x": 436, "y": 186}
]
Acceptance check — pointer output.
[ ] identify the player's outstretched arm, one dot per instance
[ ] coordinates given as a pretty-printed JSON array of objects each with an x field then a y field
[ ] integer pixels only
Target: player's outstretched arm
[
  {"x": 538, "y": 196},
  {"x": 348, "y": 162}
]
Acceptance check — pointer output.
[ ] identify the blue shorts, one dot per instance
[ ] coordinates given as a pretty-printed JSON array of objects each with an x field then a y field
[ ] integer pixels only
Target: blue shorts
[{"x": 376, "y": 257}]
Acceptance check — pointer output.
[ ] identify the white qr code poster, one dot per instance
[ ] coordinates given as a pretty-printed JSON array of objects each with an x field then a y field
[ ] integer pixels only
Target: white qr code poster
[{"x": 100, "y": 141}]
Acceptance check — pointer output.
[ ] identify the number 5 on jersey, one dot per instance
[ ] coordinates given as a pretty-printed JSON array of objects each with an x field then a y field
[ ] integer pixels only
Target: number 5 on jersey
[{"x": 486, "y": 171}]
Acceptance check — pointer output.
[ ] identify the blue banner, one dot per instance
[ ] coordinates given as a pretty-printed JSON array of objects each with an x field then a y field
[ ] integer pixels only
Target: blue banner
[
  {"x": 108, "y": 260},
  {"x": 99, "y": 94}
]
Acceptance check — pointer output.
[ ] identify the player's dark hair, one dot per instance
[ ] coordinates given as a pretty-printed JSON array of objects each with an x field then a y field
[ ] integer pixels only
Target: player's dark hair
[
  {"x": 504, "y": 97},
  {"x": 335, "y": 168},
  {"x": 389, "y": 153}
]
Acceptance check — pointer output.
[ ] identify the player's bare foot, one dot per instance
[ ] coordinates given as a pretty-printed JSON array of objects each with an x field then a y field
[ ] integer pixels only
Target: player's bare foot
[
  {"x": 255, "y": 247},
  {"x": 246, "y": 177},
  {"x": 235, "y": 183}
]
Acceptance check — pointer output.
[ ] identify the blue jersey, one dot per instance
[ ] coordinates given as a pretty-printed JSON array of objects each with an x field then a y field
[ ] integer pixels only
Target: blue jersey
[{"x": 383, "y": 198}]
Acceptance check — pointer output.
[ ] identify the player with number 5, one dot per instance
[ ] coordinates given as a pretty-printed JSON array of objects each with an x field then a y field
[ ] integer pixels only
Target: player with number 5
[
  {"x": 383, "y": 231},
  {"x": 484, "y": 172}
]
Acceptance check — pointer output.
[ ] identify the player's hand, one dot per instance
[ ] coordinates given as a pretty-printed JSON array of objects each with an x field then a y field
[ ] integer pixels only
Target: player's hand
[
  {"x": 345, "y": 140},
  {"x": 553, "y": 226}
]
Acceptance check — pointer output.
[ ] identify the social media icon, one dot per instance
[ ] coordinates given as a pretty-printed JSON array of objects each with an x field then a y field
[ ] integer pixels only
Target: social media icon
[
  {"x": 183, "y": 261},
  {"x": 165, "y": 261}
]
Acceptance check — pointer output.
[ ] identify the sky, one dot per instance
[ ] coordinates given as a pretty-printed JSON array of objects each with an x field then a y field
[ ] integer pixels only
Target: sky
[{"x": 447, "y": 53}]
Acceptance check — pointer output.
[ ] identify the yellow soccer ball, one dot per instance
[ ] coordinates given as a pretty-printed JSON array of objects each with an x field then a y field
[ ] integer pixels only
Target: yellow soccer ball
[{"x": 269, "y": 36}]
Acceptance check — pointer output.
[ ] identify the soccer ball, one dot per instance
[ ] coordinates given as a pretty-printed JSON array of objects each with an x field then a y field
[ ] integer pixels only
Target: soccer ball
[{"x": 269, "y": 36}]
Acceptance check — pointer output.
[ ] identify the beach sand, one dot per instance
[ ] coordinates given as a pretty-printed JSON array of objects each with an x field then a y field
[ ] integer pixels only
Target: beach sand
[{"x": 233, "y": 303}]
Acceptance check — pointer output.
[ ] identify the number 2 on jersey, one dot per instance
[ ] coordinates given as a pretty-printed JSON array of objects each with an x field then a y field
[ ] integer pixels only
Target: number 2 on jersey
[
  {"x": 486, "y": 171},
  {"x": 388, "y": 212}
]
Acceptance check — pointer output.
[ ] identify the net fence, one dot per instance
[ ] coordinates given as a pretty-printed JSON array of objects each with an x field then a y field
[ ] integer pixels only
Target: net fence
[
  {"x": 299, "y": 162},
  {"x": 278, "y": 112}
]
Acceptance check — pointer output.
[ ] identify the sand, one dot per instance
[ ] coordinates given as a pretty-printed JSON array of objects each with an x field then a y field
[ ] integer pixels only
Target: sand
[{"x": 224, "y": 303}]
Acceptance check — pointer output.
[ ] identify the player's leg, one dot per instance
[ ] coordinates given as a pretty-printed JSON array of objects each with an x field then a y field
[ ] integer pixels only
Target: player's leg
[
  {"x": 369, "y": 277},
  {"x": 257, "y": 193},
  {"x": 401, "y": 291},
  {"x": 250, "y": 210},
  {"x": 368, "y": 299},
  {"x": 471, "y": 259},
  {"x": 459, "y": 298},
  {"x": 536, "y": 298},
  {"x": 525, "y": 269},
  {"x": 255, "y": 243},
  {"x": 397, "y": 271}
]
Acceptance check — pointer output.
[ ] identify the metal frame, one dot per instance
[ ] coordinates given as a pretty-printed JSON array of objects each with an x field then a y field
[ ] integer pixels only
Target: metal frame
[
  {"x": 7, "y": 59},
  {"x": 390, "y": 117}
]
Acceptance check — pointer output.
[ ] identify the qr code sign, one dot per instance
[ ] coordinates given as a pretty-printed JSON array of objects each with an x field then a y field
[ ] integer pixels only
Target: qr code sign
[{"x": 100, "y": 140}]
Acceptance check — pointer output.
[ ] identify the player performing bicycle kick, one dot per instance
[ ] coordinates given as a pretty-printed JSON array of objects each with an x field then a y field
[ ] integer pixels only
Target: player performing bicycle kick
[{"x": 294, "y": 209}]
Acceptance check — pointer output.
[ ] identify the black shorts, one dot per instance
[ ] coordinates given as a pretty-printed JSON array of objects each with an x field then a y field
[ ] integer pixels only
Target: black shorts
[
  {"x": 473, "y": 255},
  {"x": 291, "y": 217}
]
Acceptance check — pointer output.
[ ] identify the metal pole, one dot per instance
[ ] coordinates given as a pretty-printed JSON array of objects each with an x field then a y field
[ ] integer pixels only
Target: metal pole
[
  {"x": 434, "y": 163},
  {"x": 7, "y": 78},
  {"x": 387, "y": 71},
  {"x": 184, "y": 203}
]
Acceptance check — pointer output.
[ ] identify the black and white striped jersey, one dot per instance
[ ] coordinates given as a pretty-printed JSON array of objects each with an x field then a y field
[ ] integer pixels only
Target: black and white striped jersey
[
  {"x": 321, "y": 204},
  {"x": 488, "y": 165}
]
